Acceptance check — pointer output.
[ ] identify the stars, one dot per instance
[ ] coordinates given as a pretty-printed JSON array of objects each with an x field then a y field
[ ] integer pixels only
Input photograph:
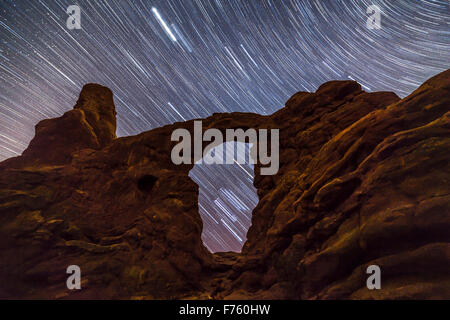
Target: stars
[
  {"x": 164, "y": 24},
  {"x": 170, "y": 60}
]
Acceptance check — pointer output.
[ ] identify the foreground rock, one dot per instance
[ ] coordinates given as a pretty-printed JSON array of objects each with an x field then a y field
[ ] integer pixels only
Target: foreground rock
[{"x": 363, "y": 179}]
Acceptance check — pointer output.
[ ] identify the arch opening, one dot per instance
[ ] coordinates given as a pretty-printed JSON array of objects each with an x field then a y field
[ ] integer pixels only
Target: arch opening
[{"x": 226, "y": 198}]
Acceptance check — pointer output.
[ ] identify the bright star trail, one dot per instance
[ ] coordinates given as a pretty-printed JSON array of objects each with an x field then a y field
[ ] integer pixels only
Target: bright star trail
[{"x": 167, "y": 61}]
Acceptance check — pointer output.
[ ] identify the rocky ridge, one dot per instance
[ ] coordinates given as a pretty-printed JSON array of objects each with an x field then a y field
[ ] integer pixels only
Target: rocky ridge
[{"x": 363, "y": 179}]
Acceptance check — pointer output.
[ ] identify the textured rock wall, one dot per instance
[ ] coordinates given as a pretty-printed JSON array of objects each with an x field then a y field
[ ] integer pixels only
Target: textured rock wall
[{"x": 363, "y": 179}]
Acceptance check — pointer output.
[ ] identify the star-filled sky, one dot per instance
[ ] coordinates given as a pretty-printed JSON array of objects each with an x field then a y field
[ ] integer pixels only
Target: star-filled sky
[{"x": 173, "y": 60}]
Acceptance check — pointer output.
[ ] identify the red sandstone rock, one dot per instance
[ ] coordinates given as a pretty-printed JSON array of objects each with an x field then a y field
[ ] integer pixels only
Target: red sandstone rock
[{"x": 363, "y": 179}]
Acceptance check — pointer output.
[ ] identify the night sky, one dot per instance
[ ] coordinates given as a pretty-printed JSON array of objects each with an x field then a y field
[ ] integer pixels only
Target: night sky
[{"x": 169, "y": 61}]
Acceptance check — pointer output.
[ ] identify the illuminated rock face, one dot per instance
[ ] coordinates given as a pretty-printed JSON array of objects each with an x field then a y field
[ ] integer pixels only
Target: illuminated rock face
[
  {"x": 363, "y": 179},
  {"x": 91, "y": 124}
]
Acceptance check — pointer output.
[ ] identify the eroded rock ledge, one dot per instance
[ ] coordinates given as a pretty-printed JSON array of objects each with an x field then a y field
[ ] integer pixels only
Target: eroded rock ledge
[{"x": 364, "y": 179}]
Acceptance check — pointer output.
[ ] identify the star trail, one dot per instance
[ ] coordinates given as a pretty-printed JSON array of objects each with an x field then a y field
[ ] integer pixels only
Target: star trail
[{"x": 174, "y": 60}]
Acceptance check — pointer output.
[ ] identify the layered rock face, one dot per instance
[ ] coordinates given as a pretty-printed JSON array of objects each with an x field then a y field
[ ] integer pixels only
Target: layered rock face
[
  {"x": 91, "y": 124},
  {"x": 363, "y": 180}
]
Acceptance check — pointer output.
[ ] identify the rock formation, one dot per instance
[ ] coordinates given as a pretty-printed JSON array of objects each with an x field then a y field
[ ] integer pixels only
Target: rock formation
[{"x": 364, "y": 179}]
